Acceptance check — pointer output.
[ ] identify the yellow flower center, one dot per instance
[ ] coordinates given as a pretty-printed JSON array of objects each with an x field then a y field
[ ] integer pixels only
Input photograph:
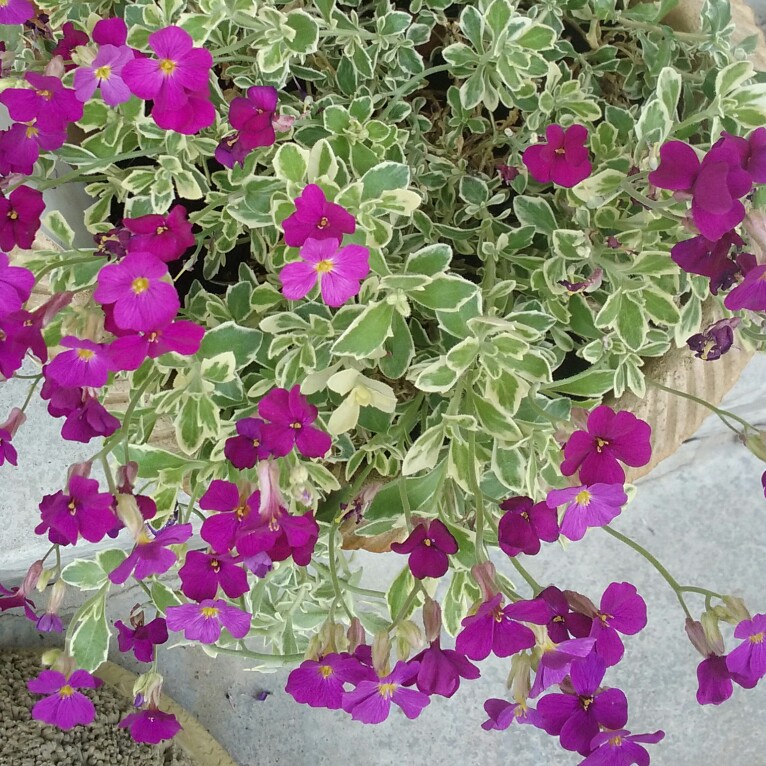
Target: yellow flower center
[
  {"x": 85, "y": 354},
  {"x": 139, "y": 285},
  {"x": 583, "y": 497},
  {"x": 209, "y": 612},
  {"x": 13, "y": 215},
  {"x": 241, "y": 512},
  {"x": 386, "y": 690},
  {"x": 322, "y": 223},
  {"x": 160, "y": 229},
  {"x": 103, "y": 72},
  {"x": 616, "y": 741},
  {"x": 256, "y": 443},
  {"x": 32, "y": 131},
  {"x": 215, "y": 565},
  {"x": 600, "y": 444},
  {"x": 427, "y": 542},
  {"x": 3, "y": 3},
  {"x": 325, "y": 671},
  {"x": 756, "y": 638},
  {"x": 66, "y": 691},
  {"x": 324, "y": 267},
  {"x": 167, "y": 67},
  {"x": 586, "y": 702},
  {"x": 297, "y": 426},
  {"x": 46, "y": 94}
]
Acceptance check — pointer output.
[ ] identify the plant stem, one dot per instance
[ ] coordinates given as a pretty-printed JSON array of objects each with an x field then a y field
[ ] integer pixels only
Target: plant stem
[
  {"x": 62, "y": 265},
  {"x": 31, "y": 392},
  {"x": 405, "y": 502},
  {"x": 108, "y": 474},
  {"x": 671, "y": 581},
  {"x": 249, "y": 40},
  {"x": 406, "y": 606},
  {"x": 347, "y": 585},
  {"x": 536, "y": 587},
  {"x": 402, "y": 89},
  {"x": 334, "y": 571},
  {"x": 473, "y": 483},
  {"x": 722, "y": 414},
  {"x": 284, "y": 659},
  {"x": 75, "y": 174}
]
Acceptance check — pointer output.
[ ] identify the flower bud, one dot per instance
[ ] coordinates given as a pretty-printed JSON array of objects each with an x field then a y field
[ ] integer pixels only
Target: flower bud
[
  {"x": 696, "y": 634},
  {"x": 126, "y": 477},
  {"x": 129, "y": 514},
  {"x": 381, "y": 651},
  {"x": 79, "y": 469},
  {"x": 314, "y": 648},
  {"x": 732, "y": 610},
  {"x": 408, "y": 637},
  {"x": 15, "y": 420},
  {"x": 432, "y": 620},
  {"x": 519, "y": 679},
  {"x": 712, "y": 633},
  {"x": 61, "y": 662},
  {"x": 756, "y": 443},
  {"x": 50, "y": 657},
  {"x": 45, "y": 577},
  {"x": 355, "y": 634},
  {"x": 484, "y": 574},
  {"x": 31, "y": 578},
  {"x": 55, "y": 67},
  {"x": 52, "y": 306},
  {"x": 755, "y": 226},
  {"x": 149, "y": 686}
]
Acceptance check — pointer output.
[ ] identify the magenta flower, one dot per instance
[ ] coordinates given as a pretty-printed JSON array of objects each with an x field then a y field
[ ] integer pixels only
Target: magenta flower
[
  {"x": 524, "y": 524},
  {"x": 715, "y": 341},
  {"x": 248, "y": 447},
  {"x": 252, "y": 116},
  {"x": 151, "y": 555},
  {"x": 231, "y": 151},
  {"x": 8, "y": 430},
  {"x": 87, "y": 364},
  {"x": 166, "y": 237},
  {"x": 17, "y": 598},
  {"x": 747, "y": 663},
  {"x": 428, "y": 545},
  {"x": 316, "y": 218},
  {"x": 589, "y": 285},
  {"x": 440, "y": 670},
  {"x": 113, "y": 242},
  {"x": 556, "y": 661},
  {"x": 64, "y": 706},
  {"x": 203, "y": 573},
  {"x": 16, "y": 286},
  {"x": 176, "y": 81},
  {"x": 610, "y": 437},
  {"x": 503, "y": 713},
  {"x": 110, "y": 32},
  {"x": 620, "y": 748},
  {"x": 20, "y": 332},
  {"x": 84, "y": 512},
  {"x": 709, "y": 259},
  {"x": 128, "y": 352},
  {"x": 495, "y": 629},
  {"x": 151, "y": 726},
  {"x": 575, "y": 718},
  {"x": 716, "y": 184},
  {"x": 587, "y": 506},
  {"x": 20, "y": 215},
  {"x": 714, "y": 681},
  {"x": 20, "y": 148},
  {"x": 142, "y": 299},
  {"x": 222, "y": 530},
  {"x": 105, "y": 72},
  {"x": 339, "y": 271},
  {"x": 563, "y": 623},
  {"x": 88, "y": 420},
  {"x": 202, "y": 622},
  {"x": 370, "y": 701},
  {"x": 507, "y": 173},
  {"x": 71, "y": 39},
  {"x": 16, "y": 11},
  {"x": 320, "y": 683},
  {"x": 47, "y": 102},
  {"x": 754, "y": 155},
  {"x": 142, "y": 640},
  {"x": 750, "y": 293},
  {"x": 563, "y": 160},
  {"x": 290, "y": 417}
]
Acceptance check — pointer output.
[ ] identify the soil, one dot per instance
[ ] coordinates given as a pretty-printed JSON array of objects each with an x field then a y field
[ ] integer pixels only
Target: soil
[{"x": 26, "y": 742}]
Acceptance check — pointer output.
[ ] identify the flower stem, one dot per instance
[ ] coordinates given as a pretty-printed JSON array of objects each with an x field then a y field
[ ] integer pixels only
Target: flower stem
[
  {"x": 62, "y": 265},
  {"x": 473, "y": 483},
  {"x": 536, "y": 587},
  {"x": 406, "y": 605},
  {"x": 334, "y": 571},
  {"x": 246, "y": 42},
  {"x": 671, "y": 581},
  {"x": 282, "y": 659},
  {"x": 395, "y": 97},
  {"x": 722, "y": 414},
  {"x": 31, "y": 392},
  {"x": 405, "y": 501},
  {"x": 108, "y": 474}
]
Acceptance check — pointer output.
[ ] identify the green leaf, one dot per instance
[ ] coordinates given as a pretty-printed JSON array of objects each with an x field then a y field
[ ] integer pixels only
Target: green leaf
[
  {"x": 367, "y": 333},
  {"x": 306, "y": 32},
  {"x": 669, "y": 89},
  {"x": 388, "y": 176},
  {"x": 84, "y": 574},
  {"x": 535, "y": 211},
  {"x": 430, "y": 260},
  {"x": 229, "y": 336},
  {"x": 438, "y": 377},
  {"x": 631, "y": 323},
  {"x": 219, "y": 368},
  {"x": 89, "y": 643},
  {"x": 399, "y": 592},
  {"x": 163, "y": 597},
  {"x": 660, "y": 307},
  {"x": 473, "y": 190},
  {"x": 424, "y": 453},
  {"x": 291, "y": 163},
  {"x": 732, "y": 76},
  {"x": 591, "y": 383},
  {"x": 60, "y": 230},
  {"x": 462, "y": 592},
  {"x": 445, "y": 293}
]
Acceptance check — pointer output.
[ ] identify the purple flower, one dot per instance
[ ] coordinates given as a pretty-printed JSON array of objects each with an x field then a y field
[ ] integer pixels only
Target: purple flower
[
  {"x": 20, "y": 332},
  {"x": 231, "y": 151},
  {"x": 248, "y": 447},
  {"x": 290, "y": 417},
  {"x": 620, "y": 748},
  {"x": 754, "y": 159},
  {"x": 747, "y": 663},
  {"x": 151, "y": 726},
  {"x": 110, "y": 32},
  {"x": 370, "y": 701},
  {"x": 524, "y": 524},
  {"x": 71, "y": 39},
  {"x": 715, "y": 681},
  {"x": 16, "y": 11},
  {"x": 87, "y": 364},
  {"x": 610, "y": 437},
  {"x": 113, "y": 242},
  {"x": 440, "y": 670},
  {"x": 47, "y": 102},
  {"x": 750, "y": 293},
  {"x": 563, "y": 623},
  {"x": 83, "y": 512},
  {"x": 176, "y": 81},
  {"x": 252, "y": 116},
  {"x": 622, "y": 610},
  {"x": 65, "y": 707},
  {"x": 105, "y": 72},
  {"x": 8, "y": 430},
  {"x": 715, "y": 341},
  {"x": 181, "y": 337},
  {"x": 428, "y": 545},
  {"x": 507, "y": 173},
  {"x": 503, "y": 713},
  {"x": 556, "y": 661},
  {"x": 88, "y": 420},
  {"x": 587, "y": 506},
  {"x": 563, "y": 160},
  {"x": 494, "y": 629},
  {"x": 320, "y": 683},
  {"x": 142, "y": 299},
  {"x": 16, "y": 286},
  {"x": 203, "y": 621},
  {"x": 20, "y": 215},
  {"x": 716, "y": 184},
  {"x": 709, "y": 259},
  {"x": 166, "y": 237},
  {"x": 575, "y": 717},
  {"x": 316, "y": 218},
  {"x": 151, "y": 555},
  {"x": 589, "y": 285},
  {"x": 142, "y": 640},
  {"x": 222, "y": 530},
  {"x": 202, "y": 574},
  {"x": 339, "y": 271}
]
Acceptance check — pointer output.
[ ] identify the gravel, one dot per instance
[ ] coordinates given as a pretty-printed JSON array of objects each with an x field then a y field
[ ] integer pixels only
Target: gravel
[{"x": 26, "y": 742}]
